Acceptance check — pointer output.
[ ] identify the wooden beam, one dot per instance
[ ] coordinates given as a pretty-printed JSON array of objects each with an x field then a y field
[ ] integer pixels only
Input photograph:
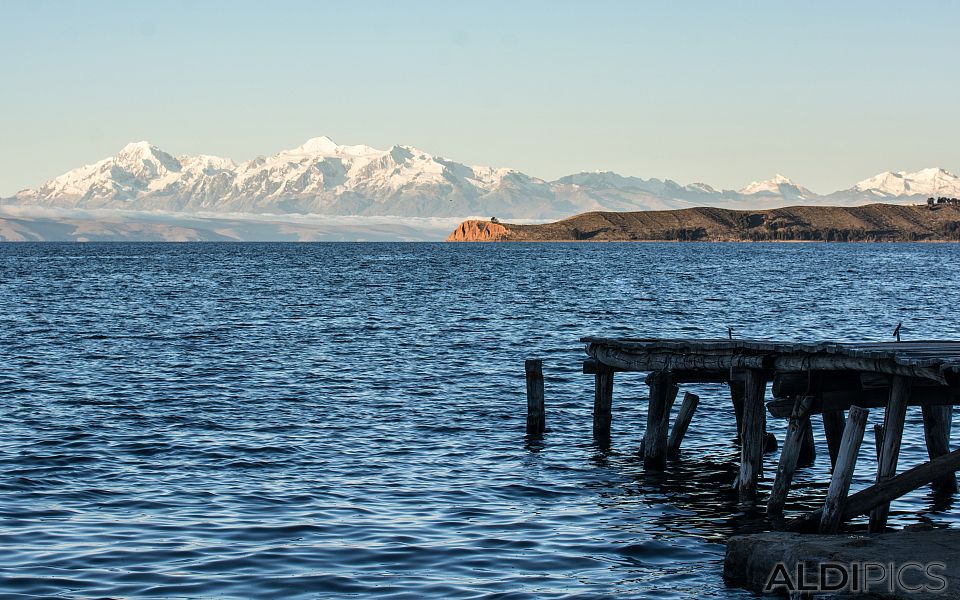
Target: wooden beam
[
  {"x": 687, "y": 408},
  {"x": 602, "y": 404},
  {"x": 936, "y": 395},
  {"x": 790, "y": 454},
  {"x": 893, "y": 421},
  {"x": 885, "y": 492},
  {"x": 812, "y": 383},
  {"x": 651, "y": 362},
  {"x": 536, "y": 419},
  {"x": 752, "y": 435},
  {"x": 843, "y": 472},
  {"x": 833, "y": 430},
  {"x": 937, "y": 422},
  {"x": 592, "y": 366},
  {"x": 662, "y": 395}
]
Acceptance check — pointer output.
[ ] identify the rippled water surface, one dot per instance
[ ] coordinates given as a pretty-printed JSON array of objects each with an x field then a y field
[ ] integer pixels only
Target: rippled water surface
[{"x": 286, "y": 421}]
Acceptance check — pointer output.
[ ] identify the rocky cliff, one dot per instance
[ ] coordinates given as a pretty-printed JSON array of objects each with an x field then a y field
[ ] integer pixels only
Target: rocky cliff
[{"x": 479, "y": 231}]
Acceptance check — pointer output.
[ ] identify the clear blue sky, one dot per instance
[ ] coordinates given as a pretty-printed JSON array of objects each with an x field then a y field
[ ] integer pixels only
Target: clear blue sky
[{"x": 826, "y": 93}]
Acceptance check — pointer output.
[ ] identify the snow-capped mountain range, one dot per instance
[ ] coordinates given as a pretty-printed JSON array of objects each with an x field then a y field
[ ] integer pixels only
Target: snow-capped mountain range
[{"x": 322, "y": 177}]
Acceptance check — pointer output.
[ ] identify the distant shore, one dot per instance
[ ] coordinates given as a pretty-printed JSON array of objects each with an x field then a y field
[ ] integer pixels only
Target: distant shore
[{"x": 870, "y": 223}]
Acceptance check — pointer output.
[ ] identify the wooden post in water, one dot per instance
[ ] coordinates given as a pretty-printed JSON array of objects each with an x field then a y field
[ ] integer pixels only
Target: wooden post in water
[
  {"x": 808, "y": 446},
  {"x": 893, "y": 421},
  {"x": 792, "y": 445},
  {"x": 843, "y": 471},
  {"x": 752, "y": 436},
  {"x": 737, "y": 392},
  {"x": 937, "y": 421},
  {"x": 687, "y": 408},
  {"x": 662, "y": 395},
  {"x": 878, "y": 439},
  {"x": 536, "y": 417},
  {"x": 833, "y": 431},
  {"x": 602, "y": 402}
]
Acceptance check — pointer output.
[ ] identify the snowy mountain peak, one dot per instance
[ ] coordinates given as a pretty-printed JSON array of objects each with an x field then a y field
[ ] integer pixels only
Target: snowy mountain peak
[
  {"x": 318, "y": 145},
  {"x": 323, "y": 146},
  {"x": 143, "y": 158},
  {"x": 137, "y": 148},
  {"x": 925, "y": 182},
  {"x": 778, "y": 185}
]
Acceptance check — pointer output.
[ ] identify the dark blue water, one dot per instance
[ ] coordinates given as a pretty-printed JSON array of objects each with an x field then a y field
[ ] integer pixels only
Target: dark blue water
[{"x": 287, "y": 421}]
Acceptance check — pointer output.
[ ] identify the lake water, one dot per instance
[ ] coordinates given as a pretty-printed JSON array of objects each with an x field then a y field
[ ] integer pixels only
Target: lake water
[{"x": 320, "y": 420}]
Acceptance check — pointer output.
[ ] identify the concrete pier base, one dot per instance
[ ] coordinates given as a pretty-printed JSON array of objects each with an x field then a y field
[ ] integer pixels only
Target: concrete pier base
[{"x": 912, "y": 564}]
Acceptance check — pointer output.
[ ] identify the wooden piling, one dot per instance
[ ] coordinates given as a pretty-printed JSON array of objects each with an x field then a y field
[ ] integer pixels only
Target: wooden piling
[
  {"x": 893, "y": 421},
  {"x": 808, "y": 447},
  {"x": 878, "y": 439},
  {"x": 536, "y": 417},
  {"x": 737, "y": 392},
  {"x": 752, "y": 435},
  {"x": 792, "y": 446},
  {"x": 662, "y": 395},
  {"x": 833, "y": 424},
  {"x": 937, "y": 422},
  {"x": 843, "y": 471},
  {"x": 687, "y": 408},
  {"x": 602, "y": 403}
]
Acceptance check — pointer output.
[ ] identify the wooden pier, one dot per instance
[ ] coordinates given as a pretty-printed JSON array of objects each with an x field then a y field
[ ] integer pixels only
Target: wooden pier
[{"x": 827, "y": 379}]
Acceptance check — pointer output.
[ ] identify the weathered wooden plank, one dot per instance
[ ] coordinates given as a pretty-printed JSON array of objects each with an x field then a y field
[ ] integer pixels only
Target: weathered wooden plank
[
  {"x": 662, "y": 395},
  {"x": 937, "y": 422},
  {"x": 833, "y": 425},
  {"x": 638, "y": 360},
  {"x": 790, "y": 454},
  {"x": 893, "y": 421},
  {"x": 843, "y": 472},
  {"x": 929, "y": 359},
  {"x": 687, "y": 408},
  {"x": 886, "y": 491},
  {"x": 752, "y": 435},
  {"x": 536, "y": 418},
  {"x": 627, "y": 361},
  {"x": 906, "y": 347}
]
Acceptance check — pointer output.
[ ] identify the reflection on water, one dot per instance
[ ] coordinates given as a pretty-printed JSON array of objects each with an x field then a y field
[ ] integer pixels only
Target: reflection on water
[{"x": 269, "y": 420}]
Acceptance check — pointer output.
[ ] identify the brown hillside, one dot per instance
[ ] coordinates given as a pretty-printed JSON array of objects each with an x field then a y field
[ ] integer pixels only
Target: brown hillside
[{"x": 871, "y": 223}]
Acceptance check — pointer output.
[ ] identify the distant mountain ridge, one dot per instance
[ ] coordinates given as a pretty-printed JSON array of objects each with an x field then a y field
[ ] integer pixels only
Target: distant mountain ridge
[{"x": 322, "y": 177}]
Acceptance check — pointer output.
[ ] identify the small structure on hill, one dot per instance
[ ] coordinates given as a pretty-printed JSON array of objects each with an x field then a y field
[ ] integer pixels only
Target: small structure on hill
[{"x": 939, "y": 200}]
